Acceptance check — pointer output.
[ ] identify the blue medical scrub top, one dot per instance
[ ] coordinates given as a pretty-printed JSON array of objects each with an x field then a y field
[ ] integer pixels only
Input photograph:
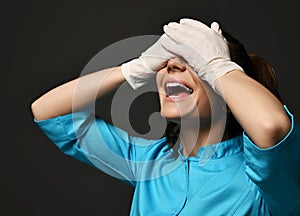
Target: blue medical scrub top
[{"x": 233, "y": 177}]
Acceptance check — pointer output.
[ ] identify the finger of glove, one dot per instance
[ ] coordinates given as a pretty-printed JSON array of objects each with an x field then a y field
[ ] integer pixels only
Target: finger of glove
[
  {"x": 179, "y": 50},
  {"x": 194, "y": 40},
  {"x": 173, "y": 25},
  {"x": 156, "y": 55},
  {"x": 164, "y": 40},
  {"x": 174, "y": 34},
  {"x": 156, "y": 48},
  {"x": 190, "y": 55},
  {"x": 172, "y": 46},
  {"x": 194, "y": 24},
  {"x": 179, "y": 33},
  {"x": 216, "y": 27},
  {"x": 197, "y": 29}
]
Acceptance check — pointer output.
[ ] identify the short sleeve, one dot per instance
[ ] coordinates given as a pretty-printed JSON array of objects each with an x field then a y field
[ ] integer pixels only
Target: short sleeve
[
  {"x": 88, "y": 138},
  {"x": 276, "y": 171}
]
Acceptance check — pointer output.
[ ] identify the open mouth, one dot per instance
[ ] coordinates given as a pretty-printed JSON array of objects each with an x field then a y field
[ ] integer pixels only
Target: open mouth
[{"x": 177, "y": 90}]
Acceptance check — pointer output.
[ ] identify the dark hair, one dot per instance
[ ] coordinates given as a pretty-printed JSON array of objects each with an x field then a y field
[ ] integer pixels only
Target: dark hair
[{"x": 255, "y": 67}]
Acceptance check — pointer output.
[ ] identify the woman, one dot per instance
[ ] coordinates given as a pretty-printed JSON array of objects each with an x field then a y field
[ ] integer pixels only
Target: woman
[{"x": 243, "y": 161}]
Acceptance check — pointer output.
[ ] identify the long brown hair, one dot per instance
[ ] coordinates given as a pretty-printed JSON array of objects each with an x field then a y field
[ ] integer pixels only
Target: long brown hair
[{"x": 255, "y": 67}]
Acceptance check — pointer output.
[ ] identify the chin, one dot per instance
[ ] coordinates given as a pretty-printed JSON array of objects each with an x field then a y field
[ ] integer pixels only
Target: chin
[
  {"x": 179, "y": 111},
  {"x": 171, "y": 114}
]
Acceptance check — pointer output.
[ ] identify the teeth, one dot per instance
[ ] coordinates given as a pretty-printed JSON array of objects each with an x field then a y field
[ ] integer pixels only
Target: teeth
[{"x": 174, "y": 84}]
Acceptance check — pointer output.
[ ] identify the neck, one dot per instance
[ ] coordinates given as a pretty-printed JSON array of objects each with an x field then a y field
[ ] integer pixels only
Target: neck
[{"x": 194, "y": 135}]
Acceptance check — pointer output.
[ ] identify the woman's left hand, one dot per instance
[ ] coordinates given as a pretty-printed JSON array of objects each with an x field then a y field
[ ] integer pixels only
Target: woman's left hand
[{"x": 204, "y": 48}]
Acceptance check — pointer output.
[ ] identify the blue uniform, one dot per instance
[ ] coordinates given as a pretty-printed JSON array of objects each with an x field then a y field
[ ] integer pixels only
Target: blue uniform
[{"x": 233, "y": 177}]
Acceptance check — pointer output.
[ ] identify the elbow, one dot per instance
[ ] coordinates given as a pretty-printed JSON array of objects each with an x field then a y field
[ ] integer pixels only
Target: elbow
[
  {"x": 35, "y": 109},
  {"x": 275, "y": 130}
]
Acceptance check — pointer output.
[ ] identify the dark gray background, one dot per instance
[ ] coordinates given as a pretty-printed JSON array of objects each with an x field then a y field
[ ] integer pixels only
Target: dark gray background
[{"x": 46, "y": 43}]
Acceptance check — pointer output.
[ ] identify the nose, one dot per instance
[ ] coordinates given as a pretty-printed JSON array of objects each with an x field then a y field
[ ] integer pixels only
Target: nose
[{"x": 175, "y": 65}]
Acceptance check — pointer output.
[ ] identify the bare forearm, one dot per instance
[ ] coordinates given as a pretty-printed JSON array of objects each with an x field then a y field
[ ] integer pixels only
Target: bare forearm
[
  {"x": 258, "y": 111},
  {"x": 77, "y": 93}
]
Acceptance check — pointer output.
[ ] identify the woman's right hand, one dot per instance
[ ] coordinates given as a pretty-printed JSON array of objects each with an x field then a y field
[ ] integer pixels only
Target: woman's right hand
[{"x": 138, "y": 71}]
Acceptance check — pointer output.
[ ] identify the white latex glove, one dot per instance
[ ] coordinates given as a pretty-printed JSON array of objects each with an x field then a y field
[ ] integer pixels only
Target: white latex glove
[
  {"x": 204, "y": 48},
  {"x": 216, "y": 27},
  {"x": 138, "y": 71}
]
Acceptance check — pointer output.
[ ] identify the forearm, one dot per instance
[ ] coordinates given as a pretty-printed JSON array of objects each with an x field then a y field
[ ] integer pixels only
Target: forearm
[
  {"x": 77, "y": 93},
  {"x": 257, "y": 110}
]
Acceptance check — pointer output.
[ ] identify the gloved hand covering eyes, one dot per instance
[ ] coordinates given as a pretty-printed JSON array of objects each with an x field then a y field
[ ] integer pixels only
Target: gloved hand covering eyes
[
  {"x": 138, "y": 71},
  {"x": 205, "y": 49}
]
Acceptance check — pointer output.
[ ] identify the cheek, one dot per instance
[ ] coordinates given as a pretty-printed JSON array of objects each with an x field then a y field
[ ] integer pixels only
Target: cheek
[
  {"x": 210, "y": 104},
  {"x": 204, "y": 107},
  {"x": 159, "y": 78},
  {"x": 203, "y": 102}
]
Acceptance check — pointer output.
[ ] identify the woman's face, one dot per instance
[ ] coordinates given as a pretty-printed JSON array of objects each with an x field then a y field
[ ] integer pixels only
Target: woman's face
[{"x": 181, "y": 93}]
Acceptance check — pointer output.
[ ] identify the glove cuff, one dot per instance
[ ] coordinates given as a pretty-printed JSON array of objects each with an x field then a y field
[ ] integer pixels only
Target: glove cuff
[
  {"x": 136, "y": 73},
  {"x": 218, "y": 68}
]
